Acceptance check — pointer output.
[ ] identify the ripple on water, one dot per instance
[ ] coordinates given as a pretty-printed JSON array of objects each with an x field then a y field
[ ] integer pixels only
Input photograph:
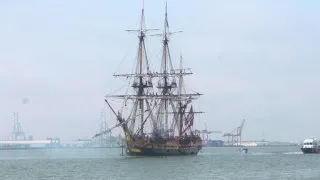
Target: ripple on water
[{"x": 213, "y": 163}]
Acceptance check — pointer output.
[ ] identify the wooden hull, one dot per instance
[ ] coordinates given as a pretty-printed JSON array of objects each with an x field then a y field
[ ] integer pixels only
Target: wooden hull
[
  {"x": 165, "y": 147},
  {"x": 143, "y": 151}
]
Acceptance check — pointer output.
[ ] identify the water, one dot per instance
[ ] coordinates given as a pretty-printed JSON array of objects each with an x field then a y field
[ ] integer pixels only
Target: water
[{"x": 213, "y": 163}]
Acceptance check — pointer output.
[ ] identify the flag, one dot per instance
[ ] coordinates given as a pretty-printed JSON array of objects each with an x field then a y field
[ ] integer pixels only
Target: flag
[{"x": 188, "y": 122}]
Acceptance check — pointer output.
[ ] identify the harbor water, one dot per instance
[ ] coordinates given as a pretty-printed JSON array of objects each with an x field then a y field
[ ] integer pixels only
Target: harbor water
[{"x": 212, "y": 163}]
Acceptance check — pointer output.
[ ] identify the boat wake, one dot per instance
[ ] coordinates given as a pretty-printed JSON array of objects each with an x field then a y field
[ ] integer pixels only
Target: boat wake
[
  {"x": 261, "y": 153},
  {"x": 292, "y": 153},
  {"x": 275, "y": 153}
]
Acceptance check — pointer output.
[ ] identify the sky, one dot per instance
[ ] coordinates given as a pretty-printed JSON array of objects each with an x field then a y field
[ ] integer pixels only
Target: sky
[{"x": 252, "y": 59}]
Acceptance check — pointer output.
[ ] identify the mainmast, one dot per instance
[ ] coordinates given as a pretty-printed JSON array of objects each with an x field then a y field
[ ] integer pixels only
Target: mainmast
[
  {"x": 167, "y": 85},
  {"x": 165, "y": 44},
  {"x": 164, "y": 84},
  {"x": 167, "y": 82},
  {"x": 165, "y": 70}
]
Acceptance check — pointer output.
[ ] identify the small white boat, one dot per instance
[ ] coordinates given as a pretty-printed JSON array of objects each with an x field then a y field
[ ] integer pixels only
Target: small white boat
[
  {"x": 310, "y": 146},
  {"x": 243, "y": 150}
]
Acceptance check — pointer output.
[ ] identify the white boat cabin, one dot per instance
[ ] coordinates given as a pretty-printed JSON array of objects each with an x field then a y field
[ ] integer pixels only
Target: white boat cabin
[{"x": 310, "y": 143}]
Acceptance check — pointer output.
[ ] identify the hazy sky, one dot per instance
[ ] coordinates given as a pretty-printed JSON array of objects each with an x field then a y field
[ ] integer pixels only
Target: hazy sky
[{"x": 257, "y": 60}]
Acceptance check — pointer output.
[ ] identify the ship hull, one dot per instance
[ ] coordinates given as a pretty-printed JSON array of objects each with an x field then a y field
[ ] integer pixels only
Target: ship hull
[
  {"x": 309, "y": 151},
  {"x": 187, "y": 151}
]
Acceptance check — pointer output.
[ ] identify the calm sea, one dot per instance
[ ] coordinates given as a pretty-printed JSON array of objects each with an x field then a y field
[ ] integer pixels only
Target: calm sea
[{"x": 212, "y": 163}]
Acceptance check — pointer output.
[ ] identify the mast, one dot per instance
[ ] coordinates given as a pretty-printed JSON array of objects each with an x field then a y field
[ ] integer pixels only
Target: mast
[
  {"x": 167, "y": 86},
  {"x": 165, "y": 58},
  {"x": 179, "y": 102},
  {"x": 164, "y": 84},
  {"x": 140, "y": 58},
  {"x": 142, "y": 82}
]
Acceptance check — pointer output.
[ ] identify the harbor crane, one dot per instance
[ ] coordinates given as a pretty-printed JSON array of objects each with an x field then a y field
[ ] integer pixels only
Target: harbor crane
[
  {"x": 235, "y": 135},
  {"x": 205, "y": 134},
  {"x": 17, "y": 133}
]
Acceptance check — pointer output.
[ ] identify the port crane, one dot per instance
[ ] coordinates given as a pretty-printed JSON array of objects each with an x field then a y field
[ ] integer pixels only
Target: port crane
[
  {"x": 17, "y": 133},
  {"x": 235, "y": 135},
  {"x": 205, "y": 134}
]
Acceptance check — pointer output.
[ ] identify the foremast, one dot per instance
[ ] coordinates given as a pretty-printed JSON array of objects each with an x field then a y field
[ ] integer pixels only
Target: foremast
[{"x": 142, "y": 85}]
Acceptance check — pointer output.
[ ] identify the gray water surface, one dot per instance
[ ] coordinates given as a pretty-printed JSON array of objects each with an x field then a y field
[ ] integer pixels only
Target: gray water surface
[{"x": 212, "y": 163}]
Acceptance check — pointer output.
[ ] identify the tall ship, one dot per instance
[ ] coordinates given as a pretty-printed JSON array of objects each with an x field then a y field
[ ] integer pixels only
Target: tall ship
[{"x": 156, "y": 113}]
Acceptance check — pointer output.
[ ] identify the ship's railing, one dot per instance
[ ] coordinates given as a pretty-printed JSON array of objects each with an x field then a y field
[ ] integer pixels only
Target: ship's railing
[{"x": 164, "y": 138}]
